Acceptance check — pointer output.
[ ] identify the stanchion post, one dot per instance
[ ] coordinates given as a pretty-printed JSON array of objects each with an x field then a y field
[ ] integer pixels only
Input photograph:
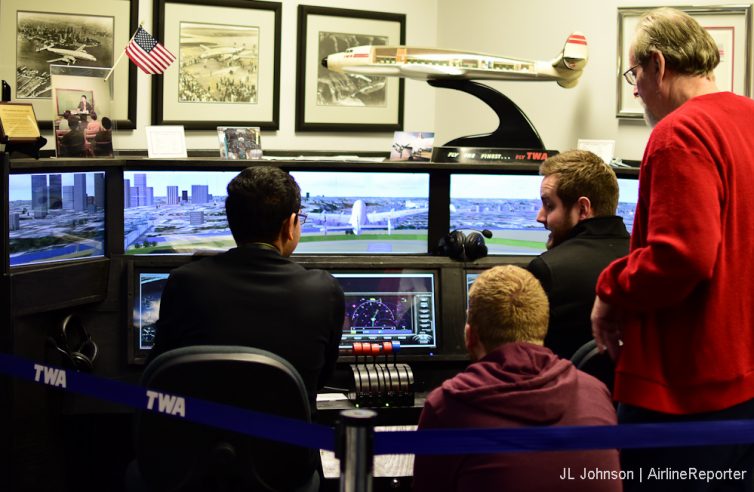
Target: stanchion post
[{"x": 354, "y": 449}]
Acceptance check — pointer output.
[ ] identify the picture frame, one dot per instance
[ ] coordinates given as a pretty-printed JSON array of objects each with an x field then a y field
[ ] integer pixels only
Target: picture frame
[
  {"x": 101, "y": 30},
  {"x": 730, "y": 26},
  {"x": 330, "y": 101},
  {"x": 227, "y": 71}
]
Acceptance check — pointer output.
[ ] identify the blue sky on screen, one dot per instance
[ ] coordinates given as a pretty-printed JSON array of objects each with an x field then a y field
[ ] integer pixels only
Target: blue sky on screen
[
  {"x": 19, "y": 185},
  {"x": 361, "y": 184}
]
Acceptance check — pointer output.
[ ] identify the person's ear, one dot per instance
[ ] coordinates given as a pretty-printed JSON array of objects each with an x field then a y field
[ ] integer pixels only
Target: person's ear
[
  {"x": 289, "y": 227},
  {"x": 584, "y": 207},
  {"x": 658, "y": 60}
]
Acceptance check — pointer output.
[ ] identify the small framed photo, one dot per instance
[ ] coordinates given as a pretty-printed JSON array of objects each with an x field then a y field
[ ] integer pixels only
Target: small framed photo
[
  {"x": 331, "y": 101},
  {"x": 166, "y": 141},
  {"x": 730, "y": 27},
  {"x": 228, "y": 69},
  {"x": 412, "y": 146},
  {"x": 239, "y": 142}
]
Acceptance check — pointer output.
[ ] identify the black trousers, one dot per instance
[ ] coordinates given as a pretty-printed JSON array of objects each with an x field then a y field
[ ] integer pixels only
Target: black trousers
[{"x": 656, "y": 466}]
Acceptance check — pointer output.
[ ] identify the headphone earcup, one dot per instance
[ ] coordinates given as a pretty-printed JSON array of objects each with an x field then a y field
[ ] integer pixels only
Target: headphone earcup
[
  {"x": 83, "y": 355},
  {"x": 474, "y": 246},
  {"x": 66, "y": 360},
  {"x": 454, "y": 245},
  {"x": 82, "y": 362}
]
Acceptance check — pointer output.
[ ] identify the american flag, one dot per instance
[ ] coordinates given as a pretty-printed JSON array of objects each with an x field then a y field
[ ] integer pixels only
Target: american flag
[{"x": 147, "y": 53}]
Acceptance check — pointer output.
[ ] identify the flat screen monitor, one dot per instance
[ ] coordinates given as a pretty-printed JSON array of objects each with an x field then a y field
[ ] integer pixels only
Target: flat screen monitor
[
  {"x": 56, "y": 216},
  {"x": 508, "y": 204},
  {"x": 363, "y": 212},
  {"x": 175, "y": 212},
  {"x": 470, "y": 277},
  {"x": 389, "y": 306},
  {"x": 145, "y": 294}
]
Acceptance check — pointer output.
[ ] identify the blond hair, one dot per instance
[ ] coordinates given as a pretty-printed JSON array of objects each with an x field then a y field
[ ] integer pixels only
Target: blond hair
[
  {"x": 686, "y": 46},
  {"x": 582, "y": 173},
  {"x": 507, "y": 304}
]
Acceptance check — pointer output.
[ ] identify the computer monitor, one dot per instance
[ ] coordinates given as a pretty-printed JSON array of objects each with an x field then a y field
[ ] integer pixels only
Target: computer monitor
[
  {"x": 508, "y": 204},
  {"x": 389, "y": 306},
  {"x": 144, "y": 306},
  {"x": 363, "y": 212},
  {"x": 56, "y": 216},
  {"x": 176, "y": 212},
  {"x": 470, "y": 277}
]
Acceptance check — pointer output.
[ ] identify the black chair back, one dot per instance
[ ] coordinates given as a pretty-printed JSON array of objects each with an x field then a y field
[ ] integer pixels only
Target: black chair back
[
  {"x": 589, "y": 359},
  {"x": 175, "y": 455}
]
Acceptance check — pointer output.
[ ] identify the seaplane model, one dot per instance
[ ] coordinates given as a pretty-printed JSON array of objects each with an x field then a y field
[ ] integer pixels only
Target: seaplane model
[
  {"x": 68, "y": 56},
  {"x": 435, "y": 64},
  {"x": 359, "y": 219}
]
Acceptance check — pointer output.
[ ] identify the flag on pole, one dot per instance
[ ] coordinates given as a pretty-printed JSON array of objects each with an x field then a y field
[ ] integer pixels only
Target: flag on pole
[{"x": 149, "y": 55}]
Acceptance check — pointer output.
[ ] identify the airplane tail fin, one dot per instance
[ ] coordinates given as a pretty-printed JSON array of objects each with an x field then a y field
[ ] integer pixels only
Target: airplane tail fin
[{"x": 574, "y": 56}]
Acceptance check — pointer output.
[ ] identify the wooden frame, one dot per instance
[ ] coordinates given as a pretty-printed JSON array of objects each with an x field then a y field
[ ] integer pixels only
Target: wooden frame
[
  {"x": 227, "y": 71},
  {"x": 729, "y": 26},
  {"x": 323, "y": 31},
  {"x": 31, "y": 56}
]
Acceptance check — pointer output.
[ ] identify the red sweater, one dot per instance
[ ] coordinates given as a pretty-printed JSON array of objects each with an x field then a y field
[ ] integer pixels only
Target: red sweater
[{"x": 687, "y": 285}]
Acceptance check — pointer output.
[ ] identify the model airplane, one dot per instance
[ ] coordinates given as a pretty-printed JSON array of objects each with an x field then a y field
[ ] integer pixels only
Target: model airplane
[
  {"x": 68, "y": 56},
  {"x": 431, "y": 63}
]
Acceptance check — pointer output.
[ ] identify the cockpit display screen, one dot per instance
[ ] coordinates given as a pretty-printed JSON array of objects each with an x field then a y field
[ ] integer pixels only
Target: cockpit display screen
[{"x": 385, "y": 306}]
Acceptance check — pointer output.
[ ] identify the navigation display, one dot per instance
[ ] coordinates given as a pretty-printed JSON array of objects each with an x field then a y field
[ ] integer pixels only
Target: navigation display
[
  {"x": 389, "y": 307},
  {"x": 56, "y": 217},
  {"x": 363, "y": 212},
  {"x": 508, "y": 204}
]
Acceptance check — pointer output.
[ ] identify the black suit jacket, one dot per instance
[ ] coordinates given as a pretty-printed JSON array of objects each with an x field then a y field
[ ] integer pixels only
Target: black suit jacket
[
  {"x": 255, "y": 297},
  {"x": 568, "y": 273}
]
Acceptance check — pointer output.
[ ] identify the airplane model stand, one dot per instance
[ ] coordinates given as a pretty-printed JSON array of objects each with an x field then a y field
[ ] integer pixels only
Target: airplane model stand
[{"x": 514, "y": 130}]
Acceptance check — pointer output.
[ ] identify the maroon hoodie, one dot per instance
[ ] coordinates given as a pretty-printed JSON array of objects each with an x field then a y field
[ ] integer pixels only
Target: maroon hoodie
[{"x": 519, "y": 385}]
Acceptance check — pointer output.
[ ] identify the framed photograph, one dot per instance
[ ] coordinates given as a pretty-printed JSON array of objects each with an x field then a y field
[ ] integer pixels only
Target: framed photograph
[
  {"x": 331, "y": 101},
  {"x": 228, "y": 64},
  {"x": 238, "y": 142},
  {"x": 38, "y": 33},
  {"x": 729, "y": 26}
]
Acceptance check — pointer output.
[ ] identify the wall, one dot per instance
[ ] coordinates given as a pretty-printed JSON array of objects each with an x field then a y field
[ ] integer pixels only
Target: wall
[
  {"x": 419, "y": 111},
  {"x": 537, "y": 29}
]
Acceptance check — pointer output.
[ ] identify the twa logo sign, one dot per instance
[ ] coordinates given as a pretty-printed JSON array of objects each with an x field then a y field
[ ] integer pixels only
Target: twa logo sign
[{"x": 169, "y": 404}]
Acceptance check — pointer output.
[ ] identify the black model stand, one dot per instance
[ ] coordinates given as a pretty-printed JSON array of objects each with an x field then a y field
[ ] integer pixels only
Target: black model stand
[{"x": 514, "y": 130}]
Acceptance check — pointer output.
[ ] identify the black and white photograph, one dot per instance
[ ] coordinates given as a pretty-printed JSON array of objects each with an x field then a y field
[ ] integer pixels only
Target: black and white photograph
[
  {"x": 218, "y": 63},
  {"x": 328, "y": 100},
  {"x": 45, "y": 38},
  {"x": 339, "y": 89}
]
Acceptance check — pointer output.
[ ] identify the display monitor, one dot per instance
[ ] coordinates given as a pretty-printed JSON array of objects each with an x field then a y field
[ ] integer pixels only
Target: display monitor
[
  {"x": 470, "y": 277},
  {"x": 56, "y": 216},
  {"x": 389, "y": 306},
  {"x": 363, "y": 212},
  {"x": 175, "y": 212},
  {"x": 508, "y": 205},
  {"x": 146, "y": 293}
]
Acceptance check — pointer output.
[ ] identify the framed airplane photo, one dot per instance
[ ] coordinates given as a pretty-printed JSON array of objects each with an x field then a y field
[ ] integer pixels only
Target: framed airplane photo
[
  {"x": 331, "y": 101},
  {"x": 228, "y": 64}
]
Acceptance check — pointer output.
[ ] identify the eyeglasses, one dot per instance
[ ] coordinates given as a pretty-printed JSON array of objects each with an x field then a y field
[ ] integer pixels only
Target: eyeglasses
[
  {"x": 302, "y": 217},
  {"x": 630, "y": 75}
]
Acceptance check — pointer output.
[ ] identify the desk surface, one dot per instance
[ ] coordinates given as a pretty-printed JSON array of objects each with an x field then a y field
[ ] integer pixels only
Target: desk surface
[
  {"x": 329, "y": 408},
  {"x": 385, "y": 465}
]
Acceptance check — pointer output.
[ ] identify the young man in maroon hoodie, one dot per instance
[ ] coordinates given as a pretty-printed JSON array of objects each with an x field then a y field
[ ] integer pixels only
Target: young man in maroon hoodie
[{"x": 516, "y": 382}]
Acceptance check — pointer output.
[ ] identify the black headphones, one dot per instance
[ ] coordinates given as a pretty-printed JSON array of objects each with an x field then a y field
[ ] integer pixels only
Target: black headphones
[
  {"x": 75, "y": 344},
  {"x": 459, "y": 246}
]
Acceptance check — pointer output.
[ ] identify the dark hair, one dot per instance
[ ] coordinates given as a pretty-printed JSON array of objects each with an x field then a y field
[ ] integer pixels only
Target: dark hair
[
  {"x": 66, "y": 113},
  {"x": 106, "y": 123},
  {"x": 83, "y": 95},
  {"x": 93, "y": 115},
  {"x": 259, "y": 200},
  {"x": 73, "y": 123}
]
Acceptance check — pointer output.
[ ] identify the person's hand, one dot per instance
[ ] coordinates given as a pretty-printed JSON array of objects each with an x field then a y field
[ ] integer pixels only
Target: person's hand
[{"x": 607, "y": 328}]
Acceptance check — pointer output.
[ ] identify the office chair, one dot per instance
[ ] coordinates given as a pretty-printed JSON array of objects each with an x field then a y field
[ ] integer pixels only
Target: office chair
[
  {"x": 175, "y": 455},
  {"x": 589, "y": 359}
]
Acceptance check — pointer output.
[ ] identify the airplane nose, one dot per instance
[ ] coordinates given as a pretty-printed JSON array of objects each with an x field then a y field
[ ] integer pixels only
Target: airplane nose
[{"x": 324, "y": 62}]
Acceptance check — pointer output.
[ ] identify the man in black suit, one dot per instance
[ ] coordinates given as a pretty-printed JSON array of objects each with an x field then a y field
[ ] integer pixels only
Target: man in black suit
[
  {"x": 254, "y": 295},
  {"x": 84, "y": 107},
  {"x": 579, "y": 199}
]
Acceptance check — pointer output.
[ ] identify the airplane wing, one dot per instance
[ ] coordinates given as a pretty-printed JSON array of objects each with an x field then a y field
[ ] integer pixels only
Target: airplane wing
[
  {"x": 62, "y": 58},
  {"x": 81, "y": 48}
]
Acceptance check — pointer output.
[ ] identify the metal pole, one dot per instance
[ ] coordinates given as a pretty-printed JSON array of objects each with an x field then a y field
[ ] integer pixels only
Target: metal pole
[{"x": 354, "y": 449}]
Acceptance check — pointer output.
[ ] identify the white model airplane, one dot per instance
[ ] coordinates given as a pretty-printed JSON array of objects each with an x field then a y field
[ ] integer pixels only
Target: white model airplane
[
  {"x": 432, "y": 63},
  {"x": 359, "y": 219},
  {"x": 68, "y": 56}
]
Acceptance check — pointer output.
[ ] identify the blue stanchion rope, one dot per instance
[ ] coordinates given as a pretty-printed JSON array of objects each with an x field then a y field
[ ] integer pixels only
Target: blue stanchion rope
[{"x": 434, "y": 441}]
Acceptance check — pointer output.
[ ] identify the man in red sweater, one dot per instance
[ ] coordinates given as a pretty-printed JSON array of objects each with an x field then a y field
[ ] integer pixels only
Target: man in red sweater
[
  {"x": 516, "y": 382},
  {"x": 678, "y": 312}
]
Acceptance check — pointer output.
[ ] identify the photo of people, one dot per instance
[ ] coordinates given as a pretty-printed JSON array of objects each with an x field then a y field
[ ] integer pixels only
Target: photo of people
[{"x": 239, "y": 142}]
